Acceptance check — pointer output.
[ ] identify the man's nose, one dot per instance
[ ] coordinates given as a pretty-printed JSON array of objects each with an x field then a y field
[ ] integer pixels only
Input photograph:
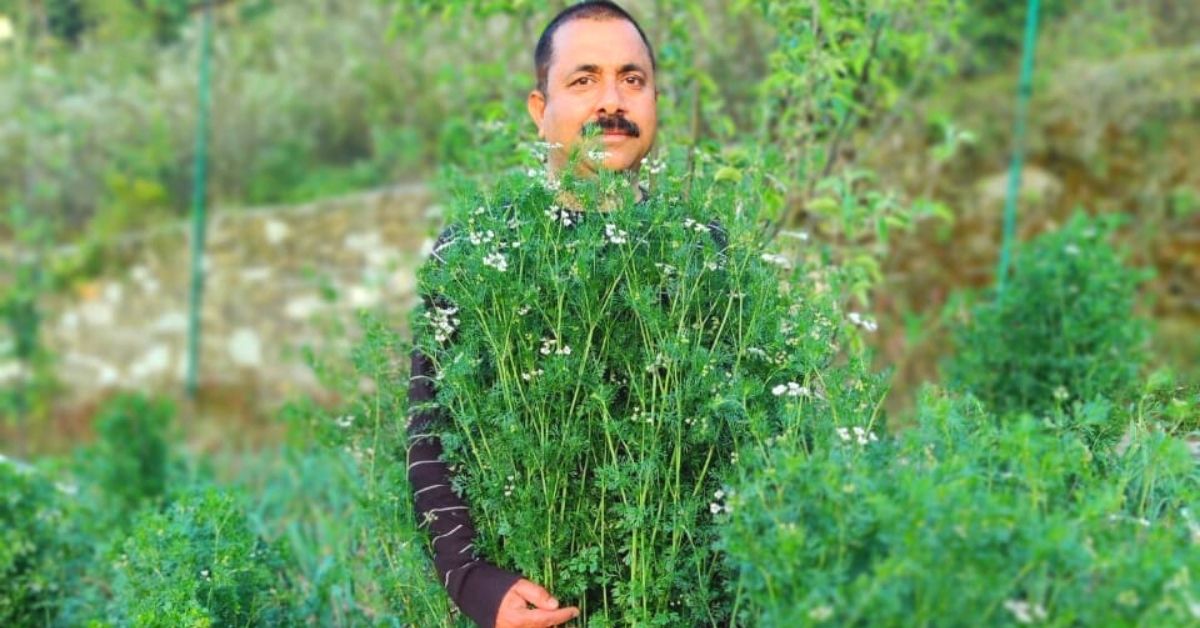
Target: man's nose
[{"x": 610, "y": 99}]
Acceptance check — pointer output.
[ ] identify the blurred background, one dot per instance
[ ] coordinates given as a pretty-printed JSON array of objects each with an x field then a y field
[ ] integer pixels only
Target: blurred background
[
  {"x": 877, "y": 134},
  {"x": 332, "y": 122}
]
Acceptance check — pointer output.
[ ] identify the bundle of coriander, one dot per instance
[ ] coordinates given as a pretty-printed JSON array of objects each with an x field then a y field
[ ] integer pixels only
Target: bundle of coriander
[{"x": 602, "y": 371}]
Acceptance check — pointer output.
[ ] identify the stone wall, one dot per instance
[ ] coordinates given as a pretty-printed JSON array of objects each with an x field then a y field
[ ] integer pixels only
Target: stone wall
[{"x": 270, "y": 276}]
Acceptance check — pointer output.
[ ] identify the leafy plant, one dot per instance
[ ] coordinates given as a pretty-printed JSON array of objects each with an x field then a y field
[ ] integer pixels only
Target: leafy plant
[
  {"x": 131, "y": 465},
  {"x": 199, "y": 563},
  {"x": 26, "y": 389},
  {"x": 966, "y": 520},
  {"x": 604, "y": 371},
  {"x": 33, "y": 550},
  {"x": 1062, "y": 330}
]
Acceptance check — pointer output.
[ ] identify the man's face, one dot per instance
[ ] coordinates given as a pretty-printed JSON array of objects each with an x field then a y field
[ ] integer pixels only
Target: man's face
[{"x": 599, "y": 73}]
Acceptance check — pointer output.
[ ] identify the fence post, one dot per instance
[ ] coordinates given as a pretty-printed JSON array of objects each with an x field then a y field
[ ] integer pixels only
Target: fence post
[{"x": 199, "y": 184}]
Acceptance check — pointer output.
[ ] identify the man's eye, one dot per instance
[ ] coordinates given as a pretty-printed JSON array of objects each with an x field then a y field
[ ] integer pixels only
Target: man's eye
[{"x": 579, "y": 81}]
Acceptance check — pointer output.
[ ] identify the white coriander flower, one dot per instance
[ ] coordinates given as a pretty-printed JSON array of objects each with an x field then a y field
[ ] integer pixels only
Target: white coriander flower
[
  {"x": 791, "y": 389},
  {"x": 859, "y": 320},
  {"x": 779, "y": 260},
  {"x": 615, "y": 235},
  {"x": 444, "y": 322},
  {"x": 820, "y": 613},
  {"x": 1071, "y": 249},
  {"x": 719, "y": 494},
  {"x": 799, "y": 235},
  {"x": 714, "y": 508},
  {"x": 345, "y": 421},
  {"x": 497, "y": 261},
  {"x": 1024, "y": 612}
]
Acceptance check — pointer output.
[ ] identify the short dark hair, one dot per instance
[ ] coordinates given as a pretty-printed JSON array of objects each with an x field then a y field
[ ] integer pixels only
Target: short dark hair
[{"x": 590, "y": 10}]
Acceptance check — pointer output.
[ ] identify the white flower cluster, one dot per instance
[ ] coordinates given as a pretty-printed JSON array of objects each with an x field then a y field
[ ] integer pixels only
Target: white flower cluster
[
  {"x": 509, "y": 486},
  {"x": 791, "y": 389},
  {"x": 666, "y": 269},
  {"x": 860, "y": 435},
  {"x": 820, "y": 613},
  {"x": 482, "y": 238},
  {"x": 557, "y": 214},
  {"x": 597, "y": 155},
  {"x": 444, "y": 322},
  {"x": 1061, "y": 394},
  {"x": 615, "y": 235},
  {"x": 799, "y": 235},
  {"x": 344, "y": 421},
  {"x": 641, "y": 417},
  {"x": 868, "y": 324},
  {"x": 532, "y": 374},
  {"x": 496, "y": 260},
  {"x": 549, "y": 346},
  {"x": 688, "y": 223},
  {"x": 717, "y": 507},
  {"x": 779, "y": 260},
  {"x": 1024, "y": 612},
  {"x": 523, "y": 311},
  {"x": 660, "y": 360}
]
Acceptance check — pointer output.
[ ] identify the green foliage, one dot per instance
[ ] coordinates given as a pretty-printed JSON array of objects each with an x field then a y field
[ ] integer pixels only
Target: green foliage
[
  {"x": 995, "y": 30},
  {"x": 400, "y": 580},
  {"x": 967, "y": 520},
  {"x": 199, "y": 564},
  {"x": 604, "y": 371},
  {"x": 26, "y": 390},
  {"x": 1062, "y": 330},
  {"x": 131, "y": 464},
  {"x": 65, "y": 19},
  {"x": 33, "y": 550}
]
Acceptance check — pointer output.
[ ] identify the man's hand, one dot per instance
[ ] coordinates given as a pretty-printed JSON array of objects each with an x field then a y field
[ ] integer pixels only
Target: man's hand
[{"x": 515, "y": 612}]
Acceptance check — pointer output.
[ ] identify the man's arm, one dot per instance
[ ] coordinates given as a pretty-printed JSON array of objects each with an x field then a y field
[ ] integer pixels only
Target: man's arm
[{"x": 477, "y": 587}]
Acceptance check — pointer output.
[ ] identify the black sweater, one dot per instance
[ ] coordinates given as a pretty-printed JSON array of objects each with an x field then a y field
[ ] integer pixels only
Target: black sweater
[{"x": 476, "y": 586}]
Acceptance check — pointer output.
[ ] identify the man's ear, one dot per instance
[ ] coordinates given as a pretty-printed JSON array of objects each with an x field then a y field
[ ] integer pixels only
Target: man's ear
[{"x": 536, "y": 104}]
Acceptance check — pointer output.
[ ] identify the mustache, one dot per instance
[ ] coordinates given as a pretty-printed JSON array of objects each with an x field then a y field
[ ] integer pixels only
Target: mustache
[{"x": 619, "y": 124}]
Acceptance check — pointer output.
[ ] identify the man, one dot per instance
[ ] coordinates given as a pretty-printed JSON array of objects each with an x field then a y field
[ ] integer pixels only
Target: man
[{"x": 595, "y": 69}]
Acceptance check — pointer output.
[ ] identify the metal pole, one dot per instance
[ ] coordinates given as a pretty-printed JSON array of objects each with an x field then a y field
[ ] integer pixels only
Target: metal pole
[
  {"x": 198, "y": 206},
  {"x": 1024, "y": 91}
]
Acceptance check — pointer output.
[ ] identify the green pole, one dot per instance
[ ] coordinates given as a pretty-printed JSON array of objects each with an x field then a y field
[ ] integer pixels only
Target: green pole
[
  {"x": 1024, "y": 91},
  {"x": 198, "y": 207}
]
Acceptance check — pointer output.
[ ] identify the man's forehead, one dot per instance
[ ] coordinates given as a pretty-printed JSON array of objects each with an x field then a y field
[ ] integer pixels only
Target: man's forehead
[{"x": 607, "y": 43}]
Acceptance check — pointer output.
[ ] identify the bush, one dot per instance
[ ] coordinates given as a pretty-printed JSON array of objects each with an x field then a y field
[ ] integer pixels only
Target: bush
[
  {"x": 966, "y": 520},
  {"x": 199, "y": 563},
  {"x": 1062, "y": 330},
  {"x": 604, "y": 372},
  {"x": 131, "y": 463},
  {"x": 33, "y": 552}
]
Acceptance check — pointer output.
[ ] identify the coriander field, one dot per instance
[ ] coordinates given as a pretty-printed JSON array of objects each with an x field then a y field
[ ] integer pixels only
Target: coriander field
[{"x": 896, "y": 324}]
